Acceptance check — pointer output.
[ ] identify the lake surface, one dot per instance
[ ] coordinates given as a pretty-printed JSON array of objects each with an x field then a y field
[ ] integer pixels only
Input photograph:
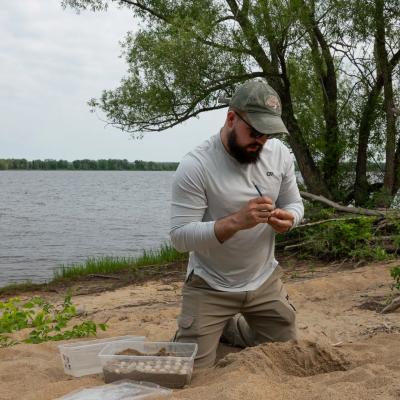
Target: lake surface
[{"x": 49, "y": 218}]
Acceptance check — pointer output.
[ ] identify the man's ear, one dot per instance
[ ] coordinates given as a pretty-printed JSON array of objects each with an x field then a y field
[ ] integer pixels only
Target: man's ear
[{"x": 230, "y": 118}]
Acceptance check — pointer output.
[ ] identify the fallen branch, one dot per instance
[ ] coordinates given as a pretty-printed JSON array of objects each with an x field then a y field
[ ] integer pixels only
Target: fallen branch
[
  {"x": 326, "y": 221},
  {"x": 302, "y": 244},
  {"x": 394, "y": 305},
  {"x": 104, "y": 276},
  {"x": 336, "y": 206}
]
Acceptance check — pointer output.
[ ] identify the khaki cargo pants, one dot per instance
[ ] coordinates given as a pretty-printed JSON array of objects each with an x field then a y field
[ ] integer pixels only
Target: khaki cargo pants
[{"x": 205, "y": 311}]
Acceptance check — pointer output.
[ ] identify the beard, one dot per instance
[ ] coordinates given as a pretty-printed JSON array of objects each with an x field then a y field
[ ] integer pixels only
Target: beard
[{"x": 240, "y": 153}]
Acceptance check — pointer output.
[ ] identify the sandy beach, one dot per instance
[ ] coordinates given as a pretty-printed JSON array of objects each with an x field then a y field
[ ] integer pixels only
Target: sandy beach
[{"x": 347, "y": 350}]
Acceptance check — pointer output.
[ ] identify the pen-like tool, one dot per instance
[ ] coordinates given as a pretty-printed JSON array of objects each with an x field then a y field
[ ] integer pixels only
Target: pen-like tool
[
  {"x": 259, "y": 192},
  {"x": 258, "y": 189}
]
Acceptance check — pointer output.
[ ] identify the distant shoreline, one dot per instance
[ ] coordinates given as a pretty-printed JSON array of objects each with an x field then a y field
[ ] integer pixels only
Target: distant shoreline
[{"x": 14, "y": 164}]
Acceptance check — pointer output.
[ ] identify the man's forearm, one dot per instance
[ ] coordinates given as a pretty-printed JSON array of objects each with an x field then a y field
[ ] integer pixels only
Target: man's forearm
[
  {"x": 226, "y": 227},
  {"x": 199, "y": 235},
  {"x": 194, "y": 236}
]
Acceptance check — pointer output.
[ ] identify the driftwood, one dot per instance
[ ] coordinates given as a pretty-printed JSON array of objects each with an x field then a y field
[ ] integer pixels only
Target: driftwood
[
  {"x": 324, "y": 221},
  {"x": 394, "y": 305},
  {"x": 336, "y": 206},
  {"x": 301, "y": 244},
  {"x": 104, "y": 276}
]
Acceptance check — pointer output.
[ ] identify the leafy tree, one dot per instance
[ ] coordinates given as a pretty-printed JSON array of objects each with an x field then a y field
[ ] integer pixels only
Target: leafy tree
[{"x": 334, "y": 64}]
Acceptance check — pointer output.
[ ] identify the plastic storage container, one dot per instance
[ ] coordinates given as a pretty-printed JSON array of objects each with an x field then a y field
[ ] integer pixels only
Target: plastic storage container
[
  {"x": 164, "y": 363},
  {"x": 81, "y": 358},
  {"x": 123, "y": 390}
]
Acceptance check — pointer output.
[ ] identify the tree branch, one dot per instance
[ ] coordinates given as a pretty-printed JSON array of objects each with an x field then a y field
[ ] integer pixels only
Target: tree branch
[
  {"x": 152, "y": 12},
  {"x": 394, "y": 305},
  {"x": 336, "y": 206},
  {"x": 252, "y": 40},
  {"x": 326, "y": 221}
]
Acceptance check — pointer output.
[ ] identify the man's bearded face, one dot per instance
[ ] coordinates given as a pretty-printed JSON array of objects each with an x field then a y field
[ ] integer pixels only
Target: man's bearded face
[{"x": 245, "y": 154}]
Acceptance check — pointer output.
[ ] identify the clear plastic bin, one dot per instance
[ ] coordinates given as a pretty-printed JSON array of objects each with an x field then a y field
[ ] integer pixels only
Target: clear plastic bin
[
  {"x": 123, "y": 390},
  {"x": 81, "y": 358},
  {"x": 165, "y": 363}
]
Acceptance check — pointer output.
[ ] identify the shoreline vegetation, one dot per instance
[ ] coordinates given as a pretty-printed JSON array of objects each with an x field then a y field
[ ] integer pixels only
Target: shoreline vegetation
[
  {"x": 86, "y": 165},
  {"x": 326, "y": 236},
  {"x": 149, "y": 263},
  {"x": 124, "y": 165}
]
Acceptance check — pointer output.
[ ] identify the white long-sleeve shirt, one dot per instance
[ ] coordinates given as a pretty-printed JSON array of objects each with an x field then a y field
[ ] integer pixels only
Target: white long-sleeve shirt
[{"x": 210, "y": 184}]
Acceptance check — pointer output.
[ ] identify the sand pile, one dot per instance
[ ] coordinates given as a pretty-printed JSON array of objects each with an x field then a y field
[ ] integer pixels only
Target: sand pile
[
  {"x": 304, "y": 371},
  {"x": 304, "y": 358}
]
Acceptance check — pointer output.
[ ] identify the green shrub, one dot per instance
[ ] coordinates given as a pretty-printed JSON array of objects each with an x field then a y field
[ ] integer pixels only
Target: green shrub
[
  {"x": 395, "y": 274},
  {"x": 353, "y": 238},
  {"x": 46, "y": 321}
]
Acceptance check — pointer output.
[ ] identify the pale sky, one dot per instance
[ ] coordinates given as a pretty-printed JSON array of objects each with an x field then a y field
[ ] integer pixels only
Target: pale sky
[{"x": 52, "y": 61}]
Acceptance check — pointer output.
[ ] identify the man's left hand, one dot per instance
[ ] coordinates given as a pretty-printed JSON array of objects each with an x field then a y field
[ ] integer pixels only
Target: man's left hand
[{"x": 281, "y": 220}]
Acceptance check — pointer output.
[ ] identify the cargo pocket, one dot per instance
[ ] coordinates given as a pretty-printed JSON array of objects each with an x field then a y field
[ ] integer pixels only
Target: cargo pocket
[
  {"x": 185, "y": 321},
  {"x": 186, "y": 331},
  {"x": 184, "y": 324},
  {"x": 290, "y": 303}
]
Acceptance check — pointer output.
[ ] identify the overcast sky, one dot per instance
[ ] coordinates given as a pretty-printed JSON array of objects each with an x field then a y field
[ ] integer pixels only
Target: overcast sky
[{"x": 52, "y": 61}]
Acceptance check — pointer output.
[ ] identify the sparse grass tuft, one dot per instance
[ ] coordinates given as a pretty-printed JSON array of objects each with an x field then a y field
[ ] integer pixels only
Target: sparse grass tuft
[{"x": 109, "y": 265}]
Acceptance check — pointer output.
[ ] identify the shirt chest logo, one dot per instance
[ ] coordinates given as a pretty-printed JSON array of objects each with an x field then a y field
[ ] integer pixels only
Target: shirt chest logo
[{"x": 270, "y": 173}]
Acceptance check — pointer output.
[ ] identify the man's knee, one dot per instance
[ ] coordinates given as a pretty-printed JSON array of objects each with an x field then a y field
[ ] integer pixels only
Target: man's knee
[{"x": 277, "y": 324}]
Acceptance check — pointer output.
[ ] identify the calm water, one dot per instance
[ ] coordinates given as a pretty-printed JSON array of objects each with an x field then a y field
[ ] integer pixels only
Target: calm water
[{"x": 49, "y": 218}]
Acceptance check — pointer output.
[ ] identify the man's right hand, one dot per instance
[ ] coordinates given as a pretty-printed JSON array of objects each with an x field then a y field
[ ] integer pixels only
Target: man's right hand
[{"x": 255, "y": 211}]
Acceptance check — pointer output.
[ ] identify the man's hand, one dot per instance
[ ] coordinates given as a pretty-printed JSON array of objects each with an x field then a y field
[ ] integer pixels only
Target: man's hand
[
  {"x": 255, "y": 211},
  {"x": 281, "y": 220}
]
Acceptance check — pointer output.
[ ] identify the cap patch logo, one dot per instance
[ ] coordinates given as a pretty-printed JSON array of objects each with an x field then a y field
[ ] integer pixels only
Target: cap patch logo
[{"x": 273, "y": 102}]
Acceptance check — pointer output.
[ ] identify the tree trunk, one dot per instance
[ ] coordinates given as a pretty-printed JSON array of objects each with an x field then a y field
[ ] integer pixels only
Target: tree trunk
[
  {"x": 383, "y": 68},
  {"x": 396, "y": 186},
  {"x": 325, "y": 70},
  {"x": 368, "y": 116},
  {"x": 309, "y": 171}
]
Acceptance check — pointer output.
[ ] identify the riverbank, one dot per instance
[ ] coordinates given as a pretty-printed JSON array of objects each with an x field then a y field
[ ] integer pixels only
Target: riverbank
[
  {"x": 346, "y": 350},
  {"x": 117, "y": 270}
]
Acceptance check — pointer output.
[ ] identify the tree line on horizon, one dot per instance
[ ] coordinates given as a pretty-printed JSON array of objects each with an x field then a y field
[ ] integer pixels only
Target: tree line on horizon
[
  {"x": 125, "y": 165},
  {"x": 86, "y": 164}
]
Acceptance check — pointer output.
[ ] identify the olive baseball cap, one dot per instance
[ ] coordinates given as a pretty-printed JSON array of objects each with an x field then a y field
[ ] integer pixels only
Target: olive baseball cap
[{"x": 260, "y": 104}]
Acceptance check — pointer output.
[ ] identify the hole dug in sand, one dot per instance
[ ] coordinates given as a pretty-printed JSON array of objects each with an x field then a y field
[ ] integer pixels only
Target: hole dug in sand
[{"x": 303, "y": 358}]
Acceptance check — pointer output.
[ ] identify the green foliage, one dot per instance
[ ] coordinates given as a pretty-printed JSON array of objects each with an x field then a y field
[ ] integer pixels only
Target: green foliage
[
  {"x": 45, "y": 321},
  {"x": 395, "y": 274},
  {"x": 342, "y": 238},
  {"x": 351, "y": 238}
]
